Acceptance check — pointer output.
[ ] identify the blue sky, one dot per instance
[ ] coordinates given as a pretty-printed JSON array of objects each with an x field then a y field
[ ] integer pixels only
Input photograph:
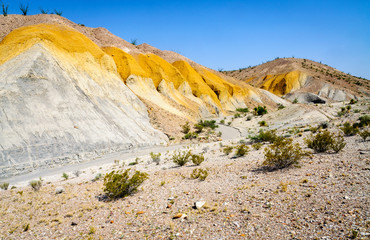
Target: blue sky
[{"x": 234, "y": 34}]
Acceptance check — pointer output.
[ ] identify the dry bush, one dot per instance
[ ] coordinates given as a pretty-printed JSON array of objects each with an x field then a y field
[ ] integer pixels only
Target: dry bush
[
  {"x": 282, "y": 154},
  {"x": 324, "y": 141},
  {"x": 199, "y": 173},
  {"x": 181, "y": 158},
  {"x": 197, "y": 159}
]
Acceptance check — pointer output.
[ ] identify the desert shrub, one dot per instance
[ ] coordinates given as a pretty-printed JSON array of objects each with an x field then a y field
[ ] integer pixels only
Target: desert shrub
[
  {"x": 364, "y": 121},
  {"x": 198, "y": 127},
  {"x": 24, "y": 9},
  {"x": 263, "y": 124},
  {"x": 265, "y": 136},
  {"x": 280, "y": 106},
  {"x": 121, "y": 183},
  {"x": 190, "y": 135},
  {"x": 338, "y": 143},
  {"x": 257, "y": 145},
  {"x": 5, "y": 9},
  {"x": 36, "y": 184},
  {"x": 222, "y": 121},
  {"x": 199, "y": 173},
  {"x": 349, "y": 130},
  {"x": 243, "y": 110},
  {"x": 237, "y": 115},
  {"x": 208, "y": 124},
  {"x": 324, "y": 141},
  {"x": 353, "y": 101},
  {"x": 295, "y": 101},
  {"x": 227, "y": 149},
  {"x": 134, "y": 162},
  {"x": 156, "y": 157},
  {"x": 241, "y": 150},
  {"x": 43, "y": 11},
  {"x": 65, "y": 176},
  {"x": 282, "y": 154},
  {"x": 186, "y": 128},
  {"x": 97, "y": 177},
  {"x": 77, "y": 173},
  {"x": 197, "y": 159},
  {"x": 59, "y": 13},
  {"x": 364, "y": 134},
  {"x": 259, "y": 111},
  {"x": 4, "y": 185},
  {"x": 181, "y": 158},
  {"x": 249, "y": 118}
]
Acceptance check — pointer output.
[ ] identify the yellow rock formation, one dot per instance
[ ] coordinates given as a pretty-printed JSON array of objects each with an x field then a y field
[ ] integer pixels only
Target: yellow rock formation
[
  {"x": 126, "y": 64},
  {"x": 284, "y": 83},
  {"x": 63, "y": 41}
]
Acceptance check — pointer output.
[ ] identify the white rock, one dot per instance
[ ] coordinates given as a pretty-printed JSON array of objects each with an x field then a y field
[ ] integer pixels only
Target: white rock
[
  {"x": 199, "y": 204},
  {"x": 59, "y": 190}
]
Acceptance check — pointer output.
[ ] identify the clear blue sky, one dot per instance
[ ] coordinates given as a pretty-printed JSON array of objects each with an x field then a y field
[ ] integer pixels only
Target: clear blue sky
[{"x": 234, "y": 34}]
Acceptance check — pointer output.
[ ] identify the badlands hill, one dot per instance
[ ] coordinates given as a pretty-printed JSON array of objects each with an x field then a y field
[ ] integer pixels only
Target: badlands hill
[
  {"x": 70, "y": 93},
  {"x": 303, "y": 79}
]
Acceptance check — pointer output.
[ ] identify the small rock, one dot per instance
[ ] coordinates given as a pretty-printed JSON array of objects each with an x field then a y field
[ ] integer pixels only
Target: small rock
[
  {"x": 199, "y": 204},
  {"x": 170, "y": 198},
  {"x": 180, "y": 216},
  {"x": 236, "y": 224},
  {"x": 59, "y": 190},
  {"x": 73, "y": 224}
]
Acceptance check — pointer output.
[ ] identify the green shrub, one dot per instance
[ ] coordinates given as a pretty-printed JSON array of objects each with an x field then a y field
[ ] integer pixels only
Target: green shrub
[
  {"x": 186, "y": 128},
  {"x": 243, "y": 110},
  {"x": 222, "y": 121},
  {"x": 65, "y": 176},
  {"x": 156, "y": 157},
  {"x": 59, "y": 13},
  {"x": 197, "y": 159},
  {"x": 282, "y": 154},
  {"x": 338, "y": 143},
  {"x": 241, "y": 150},
  {"x": 257, "y": 145},
  {"x": 208, "y": 124},
  {"x": 119, "y": 184},
  {"x": 190, "y": 135},
  {"x": 259, "y": 111},
  {"x": 265, "y": 136},
  {"x": 199, "y": 128},
  {"x": 353, "y": 101},
  {"x": 134, "y": 162},
  {"x": 263, "y": 124},
  {"x": 97, "y": 177},
  {"x": 280, "y": 106},
  {"x": 364, "y": 121},
  {"x": 237, "y": 115},
  {"x": 181, "y": 158},
  {"x": 36, "y": 184},
  {"x": 349, "y": 130},
  {"x": 43, "y": 11},
  {"x": 199, "y": 173},
  {"x": 295, "y": 101},
  {"x": 4, "y": 185},
  {"x": 227, "y": 149},
  {"x": 324, "y": 141},
  {"x": 364, "y": 134}
]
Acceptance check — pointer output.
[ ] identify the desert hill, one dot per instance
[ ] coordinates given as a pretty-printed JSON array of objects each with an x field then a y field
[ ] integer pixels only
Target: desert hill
[
  {"x": 71, "y": 93},
  {"x": 296, "y": 77}
]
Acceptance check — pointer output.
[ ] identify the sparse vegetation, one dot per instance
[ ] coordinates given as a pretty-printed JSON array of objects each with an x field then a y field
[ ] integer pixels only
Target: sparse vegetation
[
  {"x": 199, "y": 173},
  {"x": 186, "y": 128},
  {"x": 65, "y": 176},
  {"x": 280, "y": 106},
  {"x": 181, "y": 158},
  {"x": 134, "y": 41},
  {"x": 190, "y": 135},
  {"x": 282, "y": 154},
  {"x": 242, "y": 110},
  {"x": 263, "y": 124},
  {"x": 43, "y": 11},
  {"x": 265, "y": 136},
  {"x": 241, "y": 150},
  {"x": 121, "y": 183},
  {"x": 77, "y": 173},
  {"x": 257, "y": 145},
  {"x": 295, "y": 101},
  {"x": 259, "y": 111},
  {"x": 227, "y": 149},
  {"x": 4, "y": 9},
  {"x": 59, "y": 13},
  {"x": 24, "y": 8},
  {"x": 156, "y": 157},
  {"x": 349, "y": 130},
  {"x": 364, "y": 134},
  {"x": 134, "y": 162},
  {"x": 36, "y": 184},
  {"x": 324, "y": 141},
  {"x": 4, "y": 185},
  {"x": 197, "y": 159}
]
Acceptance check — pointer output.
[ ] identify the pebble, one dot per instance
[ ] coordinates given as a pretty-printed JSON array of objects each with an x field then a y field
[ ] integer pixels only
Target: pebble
[
  {"x": 199, "y": 204},
  {"x": 180, "y": 216},
  {"x": 59, "y": 190}
]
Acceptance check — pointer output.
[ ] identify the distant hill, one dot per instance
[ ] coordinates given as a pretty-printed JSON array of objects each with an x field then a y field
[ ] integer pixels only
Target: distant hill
[{"x": 292, "y": 77}]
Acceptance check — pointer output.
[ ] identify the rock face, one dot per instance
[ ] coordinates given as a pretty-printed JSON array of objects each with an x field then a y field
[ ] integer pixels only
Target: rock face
[{"x": 55, "y": 111}]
